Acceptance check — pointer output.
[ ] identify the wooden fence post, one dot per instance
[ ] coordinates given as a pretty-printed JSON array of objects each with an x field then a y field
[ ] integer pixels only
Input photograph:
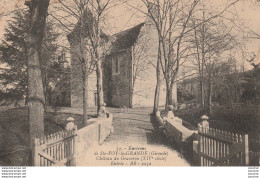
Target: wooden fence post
[
  {"x": 204, "y": 122},
  {"x": 35, "y": 150},
  {"x": 99, "y": 133},
  {"x": 70, "y": 124},
  {"x": 195, "y": 146},
  {"x": 34, "y": 155},
  {"x": 72, "y": 128},
  {"x": 202, "y": 125},
  {"x": 246, "y": 150},
  {"x": 75, "y": 153}
]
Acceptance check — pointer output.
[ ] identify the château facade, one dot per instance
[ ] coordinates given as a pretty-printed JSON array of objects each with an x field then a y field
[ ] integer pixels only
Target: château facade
[{"x": 129, "y": 69}]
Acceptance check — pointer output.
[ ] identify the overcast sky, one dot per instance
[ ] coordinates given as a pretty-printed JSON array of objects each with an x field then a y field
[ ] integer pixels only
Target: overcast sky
[{"x": 123, "y": 18}]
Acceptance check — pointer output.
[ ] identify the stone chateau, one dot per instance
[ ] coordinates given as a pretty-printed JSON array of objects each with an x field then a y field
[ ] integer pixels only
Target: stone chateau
[{"x": 129, "y": 73}]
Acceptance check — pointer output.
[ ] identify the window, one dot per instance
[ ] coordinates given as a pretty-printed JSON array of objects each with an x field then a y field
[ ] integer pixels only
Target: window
[
  {"x": 115, "y": 66},
  {"x": 95, "y": 99}
]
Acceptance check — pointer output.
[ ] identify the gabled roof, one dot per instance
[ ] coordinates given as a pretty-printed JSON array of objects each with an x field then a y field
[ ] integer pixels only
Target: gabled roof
[
  {"x": 85, "y": 28},
  {"x": 120, "y": 41},
  {"x": 125, "y": 39}
]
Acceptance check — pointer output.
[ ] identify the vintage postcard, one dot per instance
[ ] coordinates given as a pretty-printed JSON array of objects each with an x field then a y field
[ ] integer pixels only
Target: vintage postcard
[{"x": 134, "y": 83}]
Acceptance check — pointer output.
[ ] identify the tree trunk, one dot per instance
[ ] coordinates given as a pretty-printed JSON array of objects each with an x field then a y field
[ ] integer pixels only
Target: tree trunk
[
  {"x": 85, "y": 99},
  {"x": 158, "y": 81},
  {"x": 84, "y": 68},
  {"x": 99, "y": 84},
  {"x": 166, "y": 98},
  {"x": 156, "y": 97},
  {"x": 210, "y": 99},
  {"x": 202, "y": 62},
  {"x": 169, "y": 99},
  {"x": 131, "y": 97},
  {"x": 26, "y": 93},
  {"x": 99, "y": 72},
  {"x": 38, "y": 9},
  {"x": 169, "y": 96},
  {"x": 45, "y": 89},
  {"x": 157, "y": 91},
  {"x": 202, "y": 103}
]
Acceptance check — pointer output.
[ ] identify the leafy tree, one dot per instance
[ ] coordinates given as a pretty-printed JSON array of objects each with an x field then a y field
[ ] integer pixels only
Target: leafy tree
[
  {"x": 184, "y": 96},
  {"x": 252, "y": 84},
  {"x": 14, "y": 50}
]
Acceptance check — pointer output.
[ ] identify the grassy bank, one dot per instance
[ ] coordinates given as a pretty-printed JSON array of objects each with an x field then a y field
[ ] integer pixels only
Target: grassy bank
[
  {"x": 239, "y": 118},
  {"x": 14, "y": 136}
]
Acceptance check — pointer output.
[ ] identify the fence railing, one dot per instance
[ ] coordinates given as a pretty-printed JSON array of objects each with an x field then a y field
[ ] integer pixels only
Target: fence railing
[
  {"x": 57, "y": 149},
  {"x": 68, "y": 148},
  {"x": 220, "y": 148}
]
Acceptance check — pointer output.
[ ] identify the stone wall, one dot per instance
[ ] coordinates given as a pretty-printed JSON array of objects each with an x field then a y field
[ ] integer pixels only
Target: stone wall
[
  {"x": 76, "y": 86},
  {"x": 180, "y": 137},
  {"x": 118, "y": 88},
  {"x": 107, "y": 83},
  {"x": 91, "y": 136},
  {"x": 146, "y": 48}
]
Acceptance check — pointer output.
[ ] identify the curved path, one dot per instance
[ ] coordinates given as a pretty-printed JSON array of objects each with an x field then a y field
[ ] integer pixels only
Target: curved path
[{"x": 137, "y": 143}]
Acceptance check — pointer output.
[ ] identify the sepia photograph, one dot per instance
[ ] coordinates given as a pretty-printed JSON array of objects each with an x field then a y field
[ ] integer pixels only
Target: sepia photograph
[{"x": 129, "y": 83}]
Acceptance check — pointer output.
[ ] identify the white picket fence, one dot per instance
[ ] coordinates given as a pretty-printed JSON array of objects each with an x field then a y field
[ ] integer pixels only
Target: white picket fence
[
  {"x": 65, "y": 148},
  {"x": 221, "y": 148},
  {"x": 57, "y": 149}
]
